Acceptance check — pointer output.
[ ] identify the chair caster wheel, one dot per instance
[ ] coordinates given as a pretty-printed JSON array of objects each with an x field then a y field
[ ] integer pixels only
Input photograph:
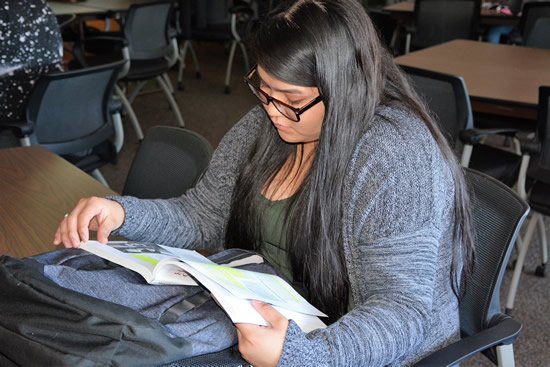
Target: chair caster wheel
[
  {"x": 198, "y": 75},
  {"x": 227, "y": 90},
  {"x": 541, "y": 271},
  {"x": 180, "y": 86}
]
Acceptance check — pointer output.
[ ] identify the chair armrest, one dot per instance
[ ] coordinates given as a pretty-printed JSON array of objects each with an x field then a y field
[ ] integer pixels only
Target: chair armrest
[
  {"x": 528, "y": 144},
  {"x": 505, "y": 331},
  {"x": 20, "y": 128},
  {"x": 474, "y": 136}
]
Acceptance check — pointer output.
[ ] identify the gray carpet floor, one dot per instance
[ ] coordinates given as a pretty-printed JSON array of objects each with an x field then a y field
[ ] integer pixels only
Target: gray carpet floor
[{"x": 210, "y": 112}]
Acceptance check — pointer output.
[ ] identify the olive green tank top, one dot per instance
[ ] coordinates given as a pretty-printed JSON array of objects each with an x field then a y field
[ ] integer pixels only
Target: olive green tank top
[{"x": 274, "y": 231}]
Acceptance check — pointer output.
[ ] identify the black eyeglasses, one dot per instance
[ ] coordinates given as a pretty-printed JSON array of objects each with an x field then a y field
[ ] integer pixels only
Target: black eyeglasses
[{"x": 286, "y": 110}]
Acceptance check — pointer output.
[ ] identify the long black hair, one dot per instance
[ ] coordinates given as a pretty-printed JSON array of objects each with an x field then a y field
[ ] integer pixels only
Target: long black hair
[{"x": 331, "y": 45}]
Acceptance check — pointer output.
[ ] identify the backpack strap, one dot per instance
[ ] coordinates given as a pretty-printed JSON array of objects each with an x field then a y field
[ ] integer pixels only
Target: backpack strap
[{"x": 172, "y": 314}]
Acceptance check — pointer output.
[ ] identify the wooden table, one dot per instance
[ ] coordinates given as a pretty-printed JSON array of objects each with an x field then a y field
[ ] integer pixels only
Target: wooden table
[
  {"x": 501, "y": 79},
  {"x": 404, "y": 11},
  {"x": 37, "y": 187}
]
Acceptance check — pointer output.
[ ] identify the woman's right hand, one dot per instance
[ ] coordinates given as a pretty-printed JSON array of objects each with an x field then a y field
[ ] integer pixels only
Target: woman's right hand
[{"x": 96, "y": 214}]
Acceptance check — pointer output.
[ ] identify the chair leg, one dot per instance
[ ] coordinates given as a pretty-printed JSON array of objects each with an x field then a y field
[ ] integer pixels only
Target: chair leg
[
  {"x": 466, "y": 155},
  {"x": 171, "y": 100},
  {"x": 139, "y": 86},
  {"x": 98, "y": 176},
  {"x": 119, "y": 131},
  {"x": 229, "y": 66},
  {"x": 541, "y": 270},
  {"x": 505, "y": 355},
  {"x": 187, "y": 45},
  {"x": 168, "y": 83},
  {"x": 25, "y": 141},
  {"x": 245, "y": 56},
  {"x": 407, "y": 43},
  {"x": 129, "y": 112},
  {"x": 519, "y": 262}
]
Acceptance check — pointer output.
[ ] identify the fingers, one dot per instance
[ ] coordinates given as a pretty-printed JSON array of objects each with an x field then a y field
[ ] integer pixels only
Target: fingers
[
  {"x": 89, "y": 214},
  {"x": 271, "y": 315},
  {"x": 259, "y": 345}
]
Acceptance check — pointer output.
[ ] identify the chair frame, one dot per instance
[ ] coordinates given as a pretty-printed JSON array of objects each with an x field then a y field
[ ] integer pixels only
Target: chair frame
[{"x": 530, "y": 147}]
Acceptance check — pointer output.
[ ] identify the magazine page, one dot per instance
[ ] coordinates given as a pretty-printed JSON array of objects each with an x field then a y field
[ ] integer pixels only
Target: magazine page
[
  {"x": 240, "y": 310},
  {"x": 142, "y": 258},
  {"x": 249, "y": 284}
]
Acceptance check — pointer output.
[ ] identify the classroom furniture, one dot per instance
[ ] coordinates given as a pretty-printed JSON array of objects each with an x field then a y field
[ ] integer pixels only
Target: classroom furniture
[
  {"x": 534, "y": 25},
  {"x": 153, "y": 49},
  {"x": 71, "y": 113},
  {"x": 502, "y": 80},
  {"x": 447, "y": 98},
  {"x": 498, "y": 213},
  {"x": 403, "y": 11},
  {"x": 99, "y": 50},
  {"x": 37, "y": 187},
  {"x": 172, "y": 159},
  {"x": 438, "y": 21},
  {"x": 534, "y": 186},
  {"x": 213, "y": 21}
]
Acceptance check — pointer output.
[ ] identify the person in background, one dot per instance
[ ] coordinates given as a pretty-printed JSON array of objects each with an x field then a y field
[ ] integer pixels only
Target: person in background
[
  {"x": 30, "y": 45},
  {"x": 342, "y": 180}
]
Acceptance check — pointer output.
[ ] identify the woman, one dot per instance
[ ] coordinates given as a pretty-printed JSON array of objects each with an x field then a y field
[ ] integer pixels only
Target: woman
[{"x": 375, "y": 218}]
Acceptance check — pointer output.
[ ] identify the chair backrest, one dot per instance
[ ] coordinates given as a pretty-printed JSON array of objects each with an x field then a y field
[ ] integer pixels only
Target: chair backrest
[
  {"x": 146, "y": 29},
  {"x": 438, "y": 21},
  {"x": 447, "y": 98},
  {"x": 498, "y": 213},
  {"x": 539, "y": 36},
  {"x": 169, "y": 161},
  {"x": 70, "y": 110},
  {"x": 209, "y": 12},
  {"x": 531, "y": 13},
  {"x": 543, "y": 127}
]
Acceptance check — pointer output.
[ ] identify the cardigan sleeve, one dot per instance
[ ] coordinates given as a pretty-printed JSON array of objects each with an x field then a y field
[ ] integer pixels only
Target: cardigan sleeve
[
  {"x": 198, "y": 218},
  {"x": 396, "y": 244}
]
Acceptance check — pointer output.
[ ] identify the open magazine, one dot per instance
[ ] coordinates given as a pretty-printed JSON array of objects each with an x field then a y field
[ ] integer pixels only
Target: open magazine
[{"x": 233, "y": 288}]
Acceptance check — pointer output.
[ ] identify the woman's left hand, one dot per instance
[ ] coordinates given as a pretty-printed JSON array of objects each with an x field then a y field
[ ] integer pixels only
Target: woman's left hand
[{"x": 262, "y": 345}]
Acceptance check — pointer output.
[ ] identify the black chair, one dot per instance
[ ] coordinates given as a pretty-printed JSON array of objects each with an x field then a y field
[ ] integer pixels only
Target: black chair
[
  {"x": 447, "y": 97},
  {"x": 438, "y": 21},
  {"x": 221, "y": 21},
  {"x": 534, "y": 185},
  {"x": 498, "y": 213},
  {"x": 100, "y": 50},
  {"x": 384, "y": 24},
  {"x": 70, "y": 114},
  {"x": 153, "y": 49},
  {"x": 169, "y": 161},
  {"x": 534, "y": 25}
]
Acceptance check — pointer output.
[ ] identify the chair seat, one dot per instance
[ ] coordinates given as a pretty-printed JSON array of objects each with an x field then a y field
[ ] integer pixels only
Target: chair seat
[
  {"x": 496, "y": 163},
  {"x": 146, "y": 69},
  {"x": 99, "y": 156}
]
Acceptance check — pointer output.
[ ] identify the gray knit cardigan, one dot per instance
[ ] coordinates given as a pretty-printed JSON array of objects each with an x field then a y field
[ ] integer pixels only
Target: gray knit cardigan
[{"x": 397, "y": 234}]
